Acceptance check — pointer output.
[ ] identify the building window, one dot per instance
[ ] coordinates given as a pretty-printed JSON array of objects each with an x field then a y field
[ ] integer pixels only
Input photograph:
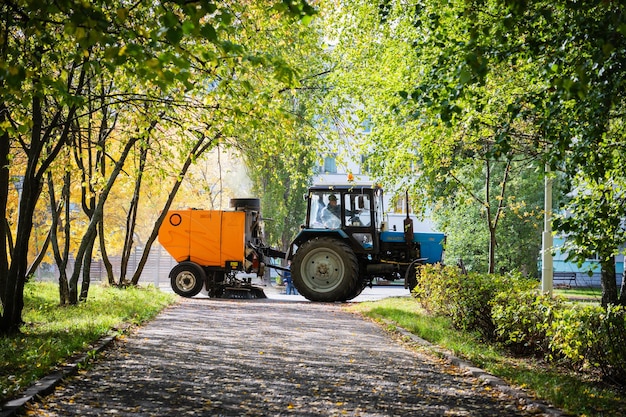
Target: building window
[
  {"x": 366, "y": 125},
  {"x": 364, "y": 165},
  {"x": 330, "y": 165},
  {"x": 399, "y": 205}
]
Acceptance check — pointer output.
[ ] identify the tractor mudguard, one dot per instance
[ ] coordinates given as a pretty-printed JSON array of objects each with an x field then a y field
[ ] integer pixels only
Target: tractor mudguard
[{"x": 308, "y": 234}]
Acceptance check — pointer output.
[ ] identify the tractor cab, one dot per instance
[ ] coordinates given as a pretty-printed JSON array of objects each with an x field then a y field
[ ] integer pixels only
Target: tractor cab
[
  {"x": 337, "y": 207},
  {"x": 356, "y": 212}
]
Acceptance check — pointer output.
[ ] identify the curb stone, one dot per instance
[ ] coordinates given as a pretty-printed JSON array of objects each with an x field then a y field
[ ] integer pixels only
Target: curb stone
[
  {"x": 530, "y": 404},
  {"x": 47, "y": 384}
]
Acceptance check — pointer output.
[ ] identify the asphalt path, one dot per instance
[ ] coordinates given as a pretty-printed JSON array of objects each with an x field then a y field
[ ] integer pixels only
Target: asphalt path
[{"x": 280, "y": 356}]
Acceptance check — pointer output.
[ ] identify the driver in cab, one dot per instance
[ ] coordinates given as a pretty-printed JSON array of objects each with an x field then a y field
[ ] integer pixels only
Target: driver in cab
[
  {"x": 333, "y": 207},
  {"x": 331, "y": 214}
]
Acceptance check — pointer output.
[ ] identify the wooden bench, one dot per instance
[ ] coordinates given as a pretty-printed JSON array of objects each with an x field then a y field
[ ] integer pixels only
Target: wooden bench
[{"x": 562, "y": 277}]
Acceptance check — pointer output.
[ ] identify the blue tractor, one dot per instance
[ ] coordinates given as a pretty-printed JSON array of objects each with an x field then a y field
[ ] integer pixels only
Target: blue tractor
[{"x": 344, "y": 245}]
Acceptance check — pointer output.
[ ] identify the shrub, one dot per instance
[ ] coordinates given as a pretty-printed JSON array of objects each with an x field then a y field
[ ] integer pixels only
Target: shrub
[
  {"x": 590, "y": 335},
  {"x": 509, "y": 309},
  {"x": 465, "y": 298},
  {"x": 431, "y": 291},
  {"x": 523, "y": 319}
]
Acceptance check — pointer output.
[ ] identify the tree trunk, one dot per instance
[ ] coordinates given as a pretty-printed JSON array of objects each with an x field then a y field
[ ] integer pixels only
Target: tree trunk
[
  {"x": 84, "y": 290},
  {"x": 129, "y": 246},
  {"x": 61, "y": 258},
  {"x": 4, "y": 191},
  {"x": 105, "y": 255},
  {"x": 16, "y": 277},
  {"x": 55, "y": 138},
  {"x": 101, "y": 157},
  {"x": 55, "y": 211},
  {"x": 492, "y": 250},
  {"x": 491, "y": 254},
  {"x": 91, "y": 232},
  {"x": 131, "y": 222},
  {"x": 17, "y": 273},
  {"x": 608, "y": 280}
]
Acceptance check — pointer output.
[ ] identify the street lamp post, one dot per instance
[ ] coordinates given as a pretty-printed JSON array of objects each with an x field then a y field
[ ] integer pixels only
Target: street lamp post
[{"x": 547, "y": 270}]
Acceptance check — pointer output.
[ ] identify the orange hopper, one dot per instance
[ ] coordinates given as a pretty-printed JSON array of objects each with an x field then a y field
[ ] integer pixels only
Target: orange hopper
[{"x": 205, "y": 237}]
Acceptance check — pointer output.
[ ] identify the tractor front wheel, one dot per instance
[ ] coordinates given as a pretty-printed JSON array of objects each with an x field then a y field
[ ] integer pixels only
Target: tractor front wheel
[
  {"x": 187, "y": 279},
  {"x": 325, "y": 269}
]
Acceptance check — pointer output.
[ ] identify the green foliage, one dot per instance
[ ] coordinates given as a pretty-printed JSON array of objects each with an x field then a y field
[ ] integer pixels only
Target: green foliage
[
  {"x": 454, "y": 88},
  {"x": 277, "y": 146},
  {"x": 53, "y": 333},
  {"x": 465, "y": 298},
  {"x": 163, "y": 76},
  {"x": 594, "y": 220},
  {"x": 523, "y": 319},
  {"x": 442, "y": 125},
  {"x": 593, "y": 336},
  {"x": 467, "y": 239},
  {"x": 518, "y": 235},
  {"x": 509, "y": 310},
  {"x": 578, "y": 52}
]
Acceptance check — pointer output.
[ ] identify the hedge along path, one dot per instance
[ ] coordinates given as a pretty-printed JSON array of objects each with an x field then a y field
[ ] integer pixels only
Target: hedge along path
[{"x": 269, "y": 358}]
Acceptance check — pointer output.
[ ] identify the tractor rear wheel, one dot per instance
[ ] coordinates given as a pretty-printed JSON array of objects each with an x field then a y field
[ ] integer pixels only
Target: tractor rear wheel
[
  {"x": 410, "y": 277},
  {"x": 358, "y": 289},
  {"x": 325, "y": 269},
  {"x": 187, "y": 279}
]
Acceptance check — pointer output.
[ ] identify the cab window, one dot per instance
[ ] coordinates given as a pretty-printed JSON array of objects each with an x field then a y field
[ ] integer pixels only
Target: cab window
[
  {"x": 357, "y": 210},
  {"x": 325, "y": 210}
]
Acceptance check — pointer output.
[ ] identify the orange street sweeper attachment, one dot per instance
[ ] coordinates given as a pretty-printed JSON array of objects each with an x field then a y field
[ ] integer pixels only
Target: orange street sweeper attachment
[{"x": 213, "y": 247}]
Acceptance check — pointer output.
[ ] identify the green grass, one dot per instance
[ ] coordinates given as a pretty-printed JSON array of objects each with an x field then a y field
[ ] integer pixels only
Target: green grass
[
  {"x": 577, "y": 393},
  {"x": 580, "y": 294},
  {"x": 52, "y": 334}
]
